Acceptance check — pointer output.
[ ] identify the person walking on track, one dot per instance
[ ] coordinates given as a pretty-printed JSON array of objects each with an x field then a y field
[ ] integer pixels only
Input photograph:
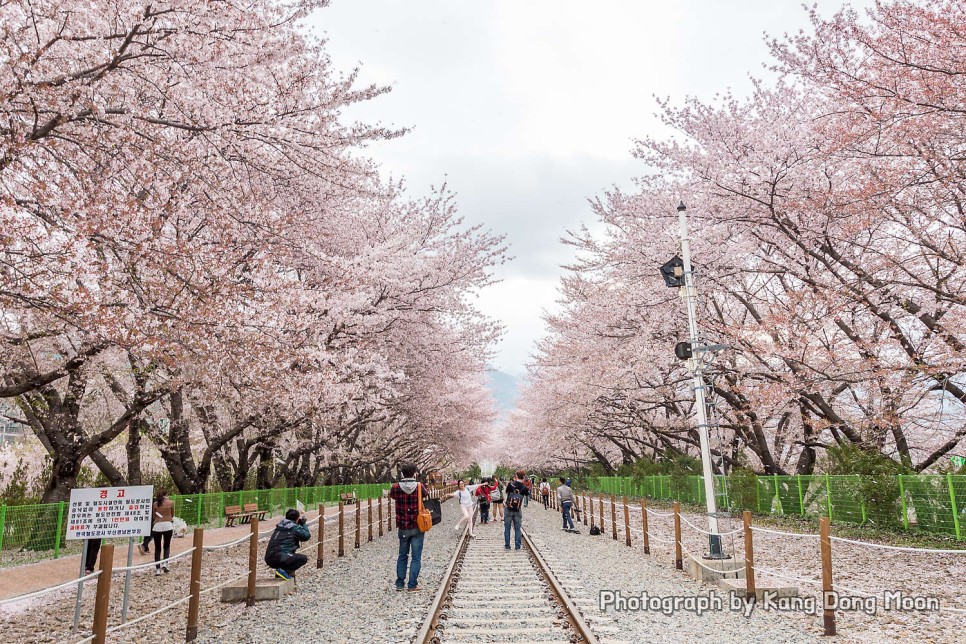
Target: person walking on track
[
  {"x": 406, "y": 494},
  {"x": 516, "y": 492},
  {"x": 566, "y": 497}
]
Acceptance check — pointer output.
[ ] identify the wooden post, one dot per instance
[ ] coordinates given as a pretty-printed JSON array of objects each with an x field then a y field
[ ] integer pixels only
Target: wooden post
[
  {"x": 320, "y": 553},
  {"x": 370, "y": 518},
  {"x": 826, "y": 544},
  {"x": 191, "y": 632},
  {"x": 380, "y": 516},
  {"x": 252, "y": 563},
  {"x": 600, "y": 509},
  {"x": 613, "y": 516},
  {"x": 389, "y": 515},
  {"x": 341, "y": 528},
  {"x": 584, "y": 499},
  {"x": 102, "y": 598},
  {"x": 358, "y": 522},
  {"x": 749, "y": 559},
  {"x": 627, "y": 525},
  {"x": 647, "y": 541},
  {"x": 678, "y": 557}
]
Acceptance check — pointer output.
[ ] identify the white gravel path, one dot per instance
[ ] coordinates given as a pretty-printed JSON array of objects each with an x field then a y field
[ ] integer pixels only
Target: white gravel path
[
  {"x": 353, "y": 600},
  {"x": 587, "y": 565},
  {"x": 860, "y": 568}
]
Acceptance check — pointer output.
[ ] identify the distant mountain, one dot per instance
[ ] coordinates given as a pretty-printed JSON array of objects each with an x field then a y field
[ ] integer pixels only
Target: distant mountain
[{"x": 505, "y": 388}]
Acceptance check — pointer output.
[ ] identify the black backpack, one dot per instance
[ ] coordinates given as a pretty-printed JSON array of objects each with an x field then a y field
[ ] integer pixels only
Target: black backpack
[
  {"x": 594, "y": 530},
  {"x": 514, "y": 500}
]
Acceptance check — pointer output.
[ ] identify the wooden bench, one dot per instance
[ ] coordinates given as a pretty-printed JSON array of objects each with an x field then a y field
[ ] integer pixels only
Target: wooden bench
[
  {"x": 348, "y": 498},
  {"x": 242, "y": 514}
]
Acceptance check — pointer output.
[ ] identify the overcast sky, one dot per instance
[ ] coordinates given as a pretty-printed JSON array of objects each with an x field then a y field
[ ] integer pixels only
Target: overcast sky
[{"x": 527, "y": 108}]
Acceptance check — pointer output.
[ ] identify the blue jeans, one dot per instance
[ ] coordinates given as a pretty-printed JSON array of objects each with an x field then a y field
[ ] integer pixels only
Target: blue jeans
[
  {"x": 515, "y": 518},
  {"x": 409, "y": 539},
  {"x": 567, "y": 519}
]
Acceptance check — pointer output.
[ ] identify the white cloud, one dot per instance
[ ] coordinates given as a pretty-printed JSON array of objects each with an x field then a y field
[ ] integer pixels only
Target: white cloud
[{"x": 529, "y": 107}]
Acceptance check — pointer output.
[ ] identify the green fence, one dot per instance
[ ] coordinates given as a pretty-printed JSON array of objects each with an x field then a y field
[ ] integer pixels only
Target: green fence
[
  {"x": 928, "y": 503},
  {"x": 41, "y": 528}
]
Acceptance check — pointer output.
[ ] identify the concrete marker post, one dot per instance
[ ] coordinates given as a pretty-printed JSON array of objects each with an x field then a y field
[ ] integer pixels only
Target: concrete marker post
[
  {"x": 370, "y": 518},
  {"x": 647, "y": 542},
  {"x": 380, "y": 516}
]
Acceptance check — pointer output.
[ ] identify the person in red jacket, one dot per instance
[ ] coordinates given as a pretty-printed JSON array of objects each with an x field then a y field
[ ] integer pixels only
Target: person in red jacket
[
  {"x": 483, "y": 492},
  {"x": 405, "y": 494}
]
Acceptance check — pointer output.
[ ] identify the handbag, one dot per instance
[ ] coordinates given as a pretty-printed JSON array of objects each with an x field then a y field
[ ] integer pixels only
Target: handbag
[
  {"x": 435, "y": 510},
  {"x": 424, "y": 520}
]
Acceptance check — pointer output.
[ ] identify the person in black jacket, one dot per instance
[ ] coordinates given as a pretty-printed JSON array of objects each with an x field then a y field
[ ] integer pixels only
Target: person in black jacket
[
  {"x": 280, "y": 553},
  {"x": 516, "y": 492}
]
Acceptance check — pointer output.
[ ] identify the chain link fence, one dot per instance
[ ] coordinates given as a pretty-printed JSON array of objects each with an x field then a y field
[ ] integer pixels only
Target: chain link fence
[
  {"x": 34, "y": 532},
  {"x": 934, "y": 504}
]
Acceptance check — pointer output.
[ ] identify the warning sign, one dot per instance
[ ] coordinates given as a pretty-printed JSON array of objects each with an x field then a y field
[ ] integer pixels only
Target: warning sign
[{"x": 109, "y": 512}]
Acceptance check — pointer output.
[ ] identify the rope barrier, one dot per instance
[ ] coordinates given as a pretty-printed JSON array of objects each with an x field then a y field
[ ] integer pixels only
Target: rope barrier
[
  {"x": 223, "y": 584},
  {"x": 899, "y": 548},
  {"x": 224, "y": 546},
  {"x": 162, "y": 562},
  {"x": 659, "y": 539},
  {"x": 785, "y": 534},
  {"x": 44, "y": 591},
  {"x": 854, "y": 591},
  {"x": 773, "y": 573},
  {"x": 132, "y": 622},
  {"x": 720, "y": 534}
]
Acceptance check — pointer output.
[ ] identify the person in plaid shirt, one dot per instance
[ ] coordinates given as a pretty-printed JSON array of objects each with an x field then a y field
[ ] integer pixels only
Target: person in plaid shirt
[{"x": 403, "y": 494}]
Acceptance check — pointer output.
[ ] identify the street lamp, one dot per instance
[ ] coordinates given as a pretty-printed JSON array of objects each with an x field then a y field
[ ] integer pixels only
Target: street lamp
[{"x": 678, "y": 272}]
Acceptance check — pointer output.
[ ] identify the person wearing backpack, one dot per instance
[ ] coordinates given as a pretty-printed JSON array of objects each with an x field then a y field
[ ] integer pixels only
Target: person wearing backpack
[
  {"x": 407, "y": 494},
  {"x": 516, "y": 492},
  {"x": 483, "y": 494},
  {"x": 545, "y": 493}
]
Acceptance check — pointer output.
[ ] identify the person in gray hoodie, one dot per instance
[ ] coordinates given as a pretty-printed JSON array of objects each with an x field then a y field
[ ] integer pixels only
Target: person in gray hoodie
[
  {"x": 406, "y": 494},
  {"x": 280, "y": 553}
]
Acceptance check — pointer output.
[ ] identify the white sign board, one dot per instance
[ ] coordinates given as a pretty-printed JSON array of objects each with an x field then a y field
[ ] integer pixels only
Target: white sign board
[{"x": 110, "y": 512}]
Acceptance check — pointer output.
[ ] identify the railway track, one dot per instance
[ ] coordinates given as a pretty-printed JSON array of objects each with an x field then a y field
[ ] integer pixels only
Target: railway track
[{"x": 490, "y": 594}]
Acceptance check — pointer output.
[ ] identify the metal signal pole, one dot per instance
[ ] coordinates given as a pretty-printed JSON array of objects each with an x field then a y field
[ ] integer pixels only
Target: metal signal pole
[{"x": 691, "y": 296}]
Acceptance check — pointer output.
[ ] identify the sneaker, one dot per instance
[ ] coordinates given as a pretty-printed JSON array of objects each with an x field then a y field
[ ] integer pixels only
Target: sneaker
[
  {"x": 89, "y": 571},
  {"x": 157, "y": 572},
  {"x": 506, "y": 547},
  {"x": 398, "y": 588},
  {"x": 142, "y": 550},
  {"x": 165, "y": 569},
  {"x": 415, "y": 589},
  {"x": 281, "y": 574}
]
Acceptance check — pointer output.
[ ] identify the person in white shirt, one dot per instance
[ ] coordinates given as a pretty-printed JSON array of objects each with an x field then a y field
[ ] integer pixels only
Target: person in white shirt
[
  {"x": 545, "y": 493},
  {"x": 467, "y": 498}
]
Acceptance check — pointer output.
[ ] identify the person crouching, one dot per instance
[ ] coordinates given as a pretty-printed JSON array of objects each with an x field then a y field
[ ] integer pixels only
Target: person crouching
[{"x": 280, "y": 553}]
